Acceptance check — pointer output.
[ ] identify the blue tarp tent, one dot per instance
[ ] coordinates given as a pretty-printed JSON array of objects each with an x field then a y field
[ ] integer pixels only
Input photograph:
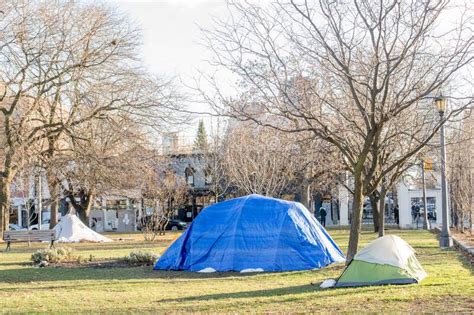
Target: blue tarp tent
[{"x": 252, "y": 233}]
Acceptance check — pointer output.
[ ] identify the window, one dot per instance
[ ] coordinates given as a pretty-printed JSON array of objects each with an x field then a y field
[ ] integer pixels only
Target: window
[
  {"x": 417, "y": 208},
  {"x": 208, "y": 175},
  {"x": 189, "y": 174}
]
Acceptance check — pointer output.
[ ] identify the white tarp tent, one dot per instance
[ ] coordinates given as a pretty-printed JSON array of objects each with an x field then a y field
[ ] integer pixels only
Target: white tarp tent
[{"x": 72, "y": 230}]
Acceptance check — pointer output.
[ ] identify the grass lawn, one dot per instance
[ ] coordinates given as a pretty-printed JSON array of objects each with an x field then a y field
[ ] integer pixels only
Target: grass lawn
[{"x": 449, "y": 286}]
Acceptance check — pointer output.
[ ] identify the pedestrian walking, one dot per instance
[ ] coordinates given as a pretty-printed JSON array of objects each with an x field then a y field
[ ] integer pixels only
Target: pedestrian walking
[
  {"x": 322, "y": 215},
  {"x": 413, "y": 212},
  {"x": 396, "y": 213}
]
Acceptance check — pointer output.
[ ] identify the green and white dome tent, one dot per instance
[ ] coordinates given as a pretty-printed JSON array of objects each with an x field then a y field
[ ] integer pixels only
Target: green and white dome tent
[{"x": 386, "y": 260}]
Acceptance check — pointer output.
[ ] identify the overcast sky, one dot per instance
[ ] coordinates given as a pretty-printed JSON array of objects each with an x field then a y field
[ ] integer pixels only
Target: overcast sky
[
  {"x": 171, "y": 34},
  {"x": 172, "y": 37}
]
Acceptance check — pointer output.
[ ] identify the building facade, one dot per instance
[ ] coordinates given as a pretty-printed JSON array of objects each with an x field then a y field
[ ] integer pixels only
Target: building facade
[{"x": 193, "y": 167}]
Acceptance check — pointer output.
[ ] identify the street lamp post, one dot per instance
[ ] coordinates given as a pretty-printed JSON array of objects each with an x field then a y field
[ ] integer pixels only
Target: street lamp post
[{"x": 445, "y": 237}]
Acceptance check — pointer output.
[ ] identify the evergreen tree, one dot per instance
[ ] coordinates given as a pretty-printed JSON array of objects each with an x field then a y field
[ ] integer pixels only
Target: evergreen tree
[{"x": 200, "y": 143}]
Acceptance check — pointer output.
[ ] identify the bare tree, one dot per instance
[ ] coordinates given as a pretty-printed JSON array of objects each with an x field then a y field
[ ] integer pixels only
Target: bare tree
[
  {"x": 460, "y": 169},
  {"x": 103, "y": 157},
  {"x": 260, "y": 160},
  {"x": 394, "y": 143},
  {"x": 215, "y": 172},
  {"x": 344, "y": 71},
  {"x": 164, "y": 192},
  {"x": 44, "y": 48},
  {"x": 65, "y": 64},
  {"x": 130, "y": 105}
]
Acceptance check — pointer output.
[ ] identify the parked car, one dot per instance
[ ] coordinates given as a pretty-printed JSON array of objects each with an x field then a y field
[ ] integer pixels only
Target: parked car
[
  {"x": 176, "y": 225},
  {"x": 173, "y": 224},
  {"x": 15, "y": 227},
  {"x": 44, "y": 225}
]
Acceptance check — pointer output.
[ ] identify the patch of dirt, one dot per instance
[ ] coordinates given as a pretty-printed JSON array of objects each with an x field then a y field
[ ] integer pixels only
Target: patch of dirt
[{"x": 442, "y": 304}]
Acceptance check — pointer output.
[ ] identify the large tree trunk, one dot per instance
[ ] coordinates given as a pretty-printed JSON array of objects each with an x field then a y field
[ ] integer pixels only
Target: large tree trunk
[
  {"x": 4, "y": 204},
  {"x": 54, "y": 213},
  {"x": 6, "y": 178},
  {"x": 53, "y": 185},
  {"x": 83, "y": 207},
  {"x": 382, "y": 212},
  {"x": 86, "y": 207},
  {"x": 375, "y": 210},
  {"x": 357, "y": 205}
]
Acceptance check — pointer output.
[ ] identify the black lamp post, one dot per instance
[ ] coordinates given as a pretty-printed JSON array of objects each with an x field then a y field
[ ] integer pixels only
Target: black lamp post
[{"x": 445, "y": 237}]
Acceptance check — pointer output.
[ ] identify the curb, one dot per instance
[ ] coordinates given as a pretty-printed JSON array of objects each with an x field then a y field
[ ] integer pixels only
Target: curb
[
  {"x": 464, "y": 247},
  {"x": 460, "y": 246}
]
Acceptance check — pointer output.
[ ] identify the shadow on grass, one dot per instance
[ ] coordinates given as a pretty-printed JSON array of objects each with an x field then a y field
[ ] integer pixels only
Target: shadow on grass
[
  {"x": 301, "y": 289},
  {"x": 15, "y": 264},
  {"x": 32, "y": 274},
  {"x": 285, "y": 291}
]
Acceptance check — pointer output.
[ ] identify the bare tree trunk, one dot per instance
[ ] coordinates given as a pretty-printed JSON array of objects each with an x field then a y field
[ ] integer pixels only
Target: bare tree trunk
[
  {"x": 83, "y": 209},
  {"x": 87, "y": 209},
  {"x": 471, "y": 222},
  {"x": 4, "y": 205},
  {"x": 5, "y": 182},
  {"x": 53, "y": 185},
  {"x": 305, "y": 195},
  {"x": 383, "y": 192},
  {"x": 54, "y": 213},
  {"x": 6, "y": 178},
  {"x": 357, "y": 205},
  {"x": 375, "y": 210}
]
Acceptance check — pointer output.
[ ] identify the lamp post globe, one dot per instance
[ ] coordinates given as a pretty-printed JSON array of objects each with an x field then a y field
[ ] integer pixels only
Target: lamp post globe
[
  {"x": 445, "y": 239},
  {"x": 440, "y": 103}
]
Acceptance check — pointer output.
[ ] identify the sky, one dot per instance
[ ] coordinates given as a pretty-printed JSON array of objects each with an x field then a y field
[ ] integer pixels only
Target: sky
[
  {"x": 172, "y": 39},
  {"x": 171, "y": 32}
]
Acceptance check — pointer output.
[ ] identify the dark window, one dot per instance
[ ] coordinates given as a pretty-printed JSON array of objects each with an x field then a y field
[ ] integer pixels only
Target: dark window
[
  {"x": 189, "y": 174},
  {"x": 208, "y": 176}
]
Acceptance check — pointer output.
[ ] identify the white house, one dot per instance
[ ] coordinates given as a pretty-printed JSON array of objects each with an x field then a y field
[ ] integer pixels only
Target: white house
[{"x": 408, "y": 194}]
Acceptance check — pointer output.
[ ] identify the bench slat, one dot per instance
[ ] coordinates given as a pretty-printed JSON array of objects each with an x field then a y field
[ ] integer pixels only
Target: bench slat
[
  {"x": 33, "y": 235},
  {"x": 29, "y": 232},
  {"x": 29, "y": 237}
]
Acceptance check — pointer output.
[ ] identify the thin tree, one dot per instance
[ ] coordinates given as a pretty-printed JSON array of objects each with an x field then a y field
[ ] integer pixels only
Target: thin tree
[
  {"x": 461, "y": 174},
  {"x": 164, "y": 192}
]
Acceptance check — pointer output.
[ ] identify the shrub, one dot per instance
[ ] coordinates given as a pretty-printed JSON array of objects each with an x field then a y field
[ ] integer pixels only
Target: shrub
[
  {"x": 54, "y": 255},
  {"x": 141, "y": 258}
]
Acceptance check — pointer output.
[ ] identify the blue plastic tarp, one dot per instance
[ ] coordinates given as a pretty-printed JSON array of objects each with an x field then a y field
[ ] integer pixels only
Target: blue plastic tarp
[{"x": 252, "y": 232}]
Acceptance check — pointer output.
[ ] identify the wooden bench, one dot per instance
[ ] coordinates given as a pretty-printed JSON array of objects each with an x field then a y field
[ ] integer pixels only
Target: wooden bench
[{"x": 29, "y": 236}]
